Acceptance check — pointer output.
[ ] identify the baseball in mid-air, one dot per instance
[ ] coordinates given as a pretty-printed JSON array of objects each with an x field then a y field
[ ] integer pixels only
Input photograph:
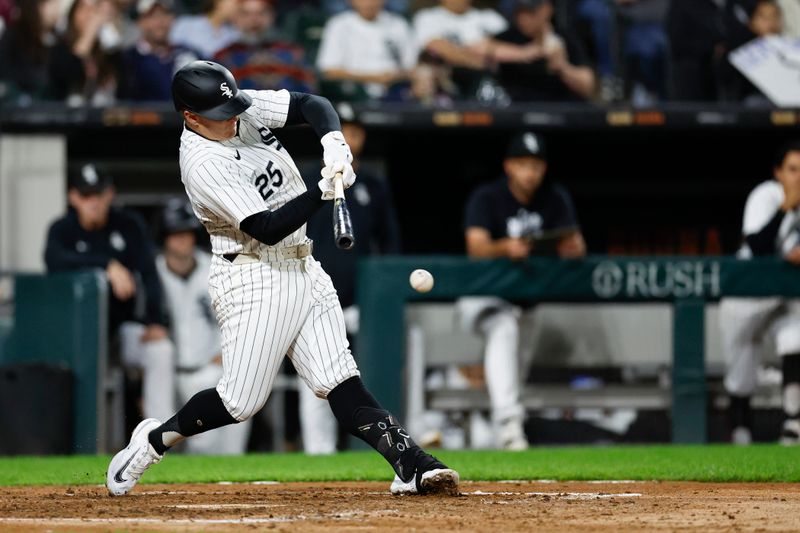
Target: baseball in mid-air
[{"x": 421, "y": 280}]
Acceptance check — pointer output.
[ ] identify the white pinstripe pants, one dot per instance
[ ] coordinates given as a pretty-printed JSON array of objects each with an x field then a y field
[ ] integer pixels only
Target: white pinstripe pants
[{"x": 268, "y": 310}]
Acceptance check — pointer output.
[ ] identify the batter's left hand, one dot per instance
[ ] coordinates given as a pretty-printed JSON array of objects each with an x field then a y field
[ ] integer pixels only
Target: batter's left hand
[
  {"x": 154, "y": 332},
  {"x": 335, "y": 148},
  {"x": 337, "y": 157}
]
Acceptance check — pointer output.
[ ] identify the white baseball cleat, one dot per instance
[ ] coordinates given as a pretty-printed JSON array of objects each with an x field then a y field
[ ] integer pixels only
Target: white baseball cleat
[
  {"x": 436, "y": 481},
  {"x": 127, "y": 467}
]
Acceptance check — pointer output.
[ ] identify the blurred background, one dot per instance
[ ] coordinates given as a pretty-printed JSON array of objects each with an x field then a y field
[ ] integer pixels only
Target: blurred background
[{"x": 524, "y": 136}]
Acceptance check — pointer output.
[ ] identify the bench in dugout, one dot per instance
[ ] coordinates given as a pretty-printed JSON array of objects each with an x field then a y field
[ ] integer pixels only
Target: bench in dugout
[{"x": 629, "y": 344}]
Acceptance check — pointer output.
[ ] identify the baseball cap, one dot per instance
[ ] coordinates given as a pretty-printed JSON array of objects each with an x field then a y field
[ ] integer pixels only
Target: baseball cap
[
  {"x": 527, "y": 144},
  {"x": 90, "y": 178},
  {"x": 528, "y": 4},
  {"x": 346, "y": 113},
  {"x": 178, "y": 217},
  {"x": 143, "y": 7}
]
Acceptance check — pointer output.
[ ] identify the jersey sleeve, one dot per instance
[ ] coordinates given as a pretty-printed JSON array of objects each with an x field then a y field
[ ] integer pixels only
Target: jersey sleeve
[
  {"x": 270, "y": 107},
  {"x": 476, "y": 214},
  {"x": 761, "y": 206},
  {"x": 220, "y": 188}
]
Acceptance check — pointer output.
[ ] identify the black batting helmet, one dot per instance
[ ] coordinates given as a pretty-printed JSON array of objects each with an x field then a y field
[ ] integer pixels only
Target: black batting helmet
[
  {"x": 208, "y": 89},
  {"x": 178, "y": 217}
]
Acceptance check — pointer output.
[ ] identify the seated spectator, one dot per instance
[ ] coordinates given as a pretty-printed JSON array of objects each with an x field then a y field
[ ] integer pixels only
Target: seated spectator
[
  {"x": 260, "y": 59},
  {"x": 769, "y": 229},
  {"x": 597, "y": 16},
  {"x": 83, "y": 70},
  {"x": 645, "y": 48},
  {"x": 148, "y": 67},
  {"x": 93, "y": 235},
  {"x": 763, "y": 19},
  {"x": 559, "y": 70},
  {"x": 630, "y": 45},
  {"x": 521, "y": 213},
  {"x": 25, "y": 52},
  {"x": 791, "y": 18},
  {"x": 368, "y": 53},
  {"x": 183, "y": 270},
  {"x": 701, "y": 34},
  {"x": 458, "y": 51},
  {"x": 210, "y": 32}
]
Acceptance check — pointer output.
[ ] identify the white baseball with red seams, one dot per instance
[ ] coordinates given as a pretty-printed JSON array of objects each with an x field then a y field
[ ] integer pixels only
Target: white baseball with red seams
[{"x": 421, "y": 280}]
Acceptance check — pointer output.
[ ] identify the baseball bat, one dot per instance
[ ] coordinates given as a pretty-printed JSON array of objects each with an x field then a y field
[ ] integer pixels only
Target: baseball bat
[{"x": 342, "y": 223}]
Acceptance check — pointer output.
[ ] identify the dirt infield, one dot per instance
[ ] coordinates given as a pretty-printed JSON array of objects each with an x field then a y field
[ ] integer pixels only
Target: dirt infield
[{"x": 326, "y": 507}]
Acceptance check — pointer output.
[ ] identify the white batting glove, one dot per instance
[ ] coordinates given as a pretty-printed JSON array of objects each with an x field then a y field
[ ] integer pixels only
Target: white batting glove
[
  {"x": 334, "y": 148},
  {"x": 328, "y": 173}
]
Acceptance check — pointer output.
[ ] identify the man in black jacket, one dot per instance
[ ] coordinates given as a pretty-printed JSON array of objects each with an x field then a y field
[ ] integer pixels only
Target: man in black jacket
[{"x": 94, "y": 235}]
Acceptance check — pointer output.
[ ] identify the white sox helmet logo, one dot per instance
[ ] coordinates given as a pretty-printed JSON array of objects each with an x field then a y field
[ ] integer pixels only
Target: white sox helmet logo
[{"x": 225, "y": 90}]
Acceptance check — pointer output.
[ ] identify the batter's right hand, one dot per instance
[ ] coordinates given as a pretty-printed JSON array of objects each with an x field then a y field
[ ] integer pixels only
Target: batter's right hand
[
  {"x": 329, "y": 172},
  {"x": 122, "y": 283}
]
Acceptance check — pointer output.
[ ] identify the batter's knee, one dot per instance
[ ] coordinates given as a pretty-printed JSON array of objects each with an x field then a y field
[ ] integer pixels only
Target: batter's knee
[
  {"x": 241, "y": 410},
  {"x": 322, "y": 388}
]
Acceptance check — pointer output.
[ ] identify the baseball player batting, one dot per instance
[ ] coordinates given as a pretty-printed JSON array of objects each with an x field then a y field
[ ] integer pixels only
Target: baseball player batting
[{"x": 271, "y": 298}]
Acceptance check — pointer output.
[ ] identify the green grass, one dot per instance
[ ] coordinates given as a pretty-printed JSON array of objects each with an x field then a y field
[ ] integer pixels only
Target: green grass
[{"x": 697, "y": 463}]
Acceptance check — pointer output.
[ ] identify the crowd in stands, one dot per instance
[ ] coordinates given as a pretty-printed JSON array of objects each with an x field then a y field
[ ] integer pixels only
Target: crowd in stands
[{"x": 95, "y": 52}]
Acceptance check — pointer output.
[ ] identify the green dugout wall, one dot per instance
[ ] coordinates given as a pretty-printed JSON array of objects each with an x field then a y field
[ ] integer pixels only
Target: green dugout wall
[
  {"x": 686, "y": 282},
  {"x": 61, "y": 319}
]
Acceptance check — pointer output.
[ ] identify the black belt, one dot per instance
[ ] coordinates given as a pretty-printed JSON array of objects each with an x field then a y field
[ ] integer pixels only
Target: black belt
[{"x": 230, "y": 258}]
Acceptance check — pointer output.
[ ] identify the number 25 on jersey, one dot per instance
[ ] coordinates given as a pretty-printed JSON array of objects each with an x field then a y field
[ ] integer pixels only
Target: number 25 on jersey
[{"x": 267, "y": 183}]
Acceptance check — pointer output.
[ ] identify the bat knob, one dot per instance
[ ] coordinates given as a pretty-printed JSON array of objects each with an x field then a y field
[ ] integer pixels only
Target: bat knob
[{"x": 345, "y": 242}]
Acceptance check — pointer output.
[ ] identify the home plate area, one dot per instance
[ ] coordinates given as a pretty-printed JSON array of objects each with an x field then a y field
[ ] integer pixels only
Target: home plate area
[{"x": 352, "y": 506}]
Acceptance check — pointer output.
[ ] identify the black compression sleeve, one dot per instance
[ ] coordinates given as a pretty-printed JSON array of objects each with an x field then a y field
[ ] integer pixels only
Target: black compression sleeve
[
  {"x": 315, "y": 110},
  {"x": 763, "y": 242},
  {"x": 270, "y": 227}
]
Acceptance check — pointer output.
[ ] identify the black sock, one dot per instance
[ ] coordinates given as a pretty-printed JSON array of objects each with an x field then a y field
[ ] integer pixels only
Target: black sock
[
  {"x": 204, "y": 411},
  {"x": 791, "y": 384},
  {"x": 741, "y": 414},
  {"x": 358, "y": 412}
]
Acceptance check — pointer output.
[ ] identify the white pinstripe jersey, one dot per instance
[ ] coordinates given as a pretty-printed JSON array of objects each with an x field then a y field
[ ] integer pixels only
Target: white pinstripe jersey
[{"x": 227, "y": 181}]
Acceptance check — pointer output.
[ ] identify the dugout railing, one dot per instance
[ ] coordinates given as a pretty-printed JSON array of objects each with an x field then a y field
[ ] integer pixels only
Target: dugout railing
[{"x": 688, "y": 283}]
